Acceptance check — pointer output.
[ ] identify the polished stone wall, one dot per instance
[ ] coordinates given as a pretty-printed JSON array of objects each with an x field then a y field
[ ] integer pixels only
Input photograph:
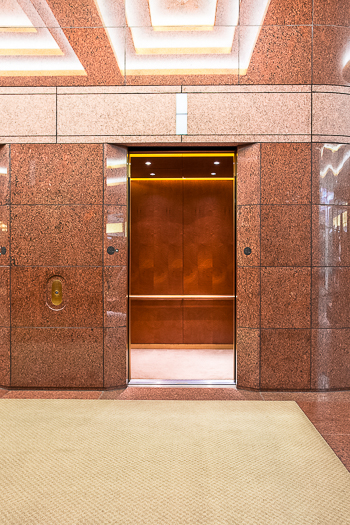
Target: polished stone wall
[
  {"x": 62, "y": 206},
  {"x": 284, "y": 102},
  {"x": 292, "y": 291}
]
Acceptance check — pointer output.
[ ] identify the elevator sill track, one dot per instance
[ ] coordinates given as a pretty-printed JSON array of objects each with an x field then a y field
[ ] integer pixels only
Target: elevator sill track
[{"x": 188, "y": 383}]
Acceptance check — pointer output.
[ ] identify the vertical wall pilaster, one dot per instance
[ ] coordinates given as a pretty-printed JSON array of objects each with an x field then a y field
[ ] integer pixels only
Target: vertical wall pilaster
[{"x": 115, "y": 266}]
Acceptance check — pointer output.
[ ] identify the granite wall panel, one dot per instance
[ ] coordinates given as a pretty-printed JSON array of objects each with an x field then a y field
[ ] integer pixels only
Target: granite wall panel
[
  {"x": 331, "y": 60},
  {"x": 4, "y": 174},
  {"x": 5, "y": 308},
  {"x": 115, "y": 178},
  {"x": 115, "y": 357},
  {"x": 115, "y": 296},
  {"x": 248, "y": 358},
  {"x": 35, "y": 174},
  {"x": 33, "y": 115},
  {"x": 248, "y": 183},
  {"x": 286, "y": 235},
  {"x": 248, "y": 297},
  {"x": 331, "y": 265},
  {"x": 330, "y": 235},
  {"x": 282, "y": 55},
  {"x": 4, "y": 235},
  {"x": 248, "y": 235},
  {"x": 248, "y": 267},
  {"x": 285, "y": 359},
  {"x": 285, "y": 173},
  {"x": 330, "y": 174},
  {"x": 273, "y": 296},
  {"x": 57, "y": 357},
  {"x": 221, "y": 113},
  {"x": 330, "y": 359},
  {"x": 330, "y": 293},
  {"x": 112, "y": 114},
  {"x": 284, "y": 13},
  {"x": 115, "y": 235},
  {"x": 330, "y": 115},
  {"x": 331, "y": 12},
  {"x": 80, "y": 13},
  {"x": 31, "y": 297},
  {"x": 4, "y": 296},
  {"x": 115, "y": 271},
  {"x": 285, "y": 297},
  {"x": 58, "y": 233},
  {"x": 4, "y": 357}
]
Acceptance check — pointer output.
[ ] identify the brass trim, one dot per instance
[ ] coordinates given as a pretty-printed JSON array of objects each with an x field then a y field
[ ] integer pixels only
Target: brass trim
[{"x": 165, "y": 382}]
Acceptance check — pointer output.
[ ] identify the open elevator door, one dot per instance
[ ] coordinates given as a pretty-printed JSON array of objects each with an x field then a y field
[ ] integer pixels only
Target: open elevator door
[{"x": 182, "y": 268}]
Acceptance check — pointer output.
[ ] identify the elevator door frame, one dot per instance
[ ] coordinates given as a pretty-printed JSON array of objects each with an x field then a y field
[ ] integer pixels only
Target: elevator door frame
[{"x": 195, "y": 153}]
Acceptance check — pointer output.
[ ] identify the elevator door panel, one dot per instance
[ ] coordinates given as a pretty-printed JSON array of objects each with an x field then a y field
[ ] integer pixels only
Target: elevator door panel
[{"x": 208, "y": 237}]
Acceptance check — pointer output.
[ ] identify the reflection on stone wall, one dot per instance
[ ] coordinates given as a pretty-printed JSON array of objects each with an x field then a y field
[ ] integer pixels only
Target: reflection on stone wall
[{"x": 331, "y": 262}]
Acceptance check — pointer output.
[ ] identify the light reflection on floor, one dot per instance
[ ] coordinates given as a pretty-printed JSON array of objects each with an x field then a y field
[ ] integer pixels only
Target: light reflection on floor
[{"x": 202, "y": 364}]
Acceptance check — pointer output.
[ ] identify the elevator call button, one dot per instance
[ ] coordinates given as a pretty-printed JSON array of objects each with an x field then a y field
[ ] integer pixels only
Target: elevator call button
[{"x": 111, "y": 250}]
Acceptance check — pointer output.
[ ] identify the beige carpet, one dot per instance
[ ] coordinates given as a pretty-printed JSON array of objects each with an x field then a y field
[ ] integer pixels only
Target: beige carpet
[{"x": 77, "y": 462}]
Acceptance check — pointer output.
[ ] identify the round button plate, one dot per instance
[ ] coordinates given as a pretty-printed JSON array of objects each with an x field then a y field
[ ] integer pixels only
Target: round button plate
[{"x": 111, "y": 250}]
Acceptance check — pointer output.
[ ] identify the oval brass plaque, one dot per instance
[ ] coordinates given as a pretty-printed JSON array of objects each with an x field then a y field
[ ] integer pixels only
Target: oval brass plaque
[{"x": 56, "y": 292}]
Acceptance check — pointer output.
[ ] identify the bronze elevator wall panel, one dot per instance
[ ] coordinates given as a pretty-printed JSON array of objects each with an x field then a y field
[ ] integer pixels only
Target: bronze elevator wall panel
[
  {"x": 208, "y": 237},
  {"x": 156, "y": 322},
  {"x": 181, "y": 322},
  {"x": 208, "y": 322},
  {"x": 156, "y": 238},
  {"x": 182, "y": 243}
]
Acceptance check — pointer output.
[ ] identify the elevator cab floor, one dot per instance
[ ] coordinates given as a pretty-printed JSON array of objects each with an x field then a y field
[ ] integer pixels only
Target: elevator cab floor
[{"x": 182, "y": 267}]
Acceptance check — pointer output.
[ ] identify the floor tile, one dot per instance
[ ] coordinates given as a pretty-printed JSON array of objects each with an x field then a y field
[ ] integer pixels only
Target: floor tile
[
  {"x": 341, "y": 446},
  {"x": 52, "y": 394}
]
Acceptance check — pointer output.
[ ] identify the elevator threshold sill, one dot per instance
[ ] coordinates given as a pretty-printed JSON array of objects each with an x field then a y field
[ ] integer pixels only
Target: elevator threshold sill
[
  {"x": 182, "y": 297},
  {"x": 188, "y": 383}
]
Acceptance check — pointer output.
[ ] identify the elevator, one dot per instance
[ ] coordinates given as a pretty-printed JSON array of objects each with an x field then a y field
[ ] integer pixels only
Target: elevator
[{"x": 182, "y": 267}]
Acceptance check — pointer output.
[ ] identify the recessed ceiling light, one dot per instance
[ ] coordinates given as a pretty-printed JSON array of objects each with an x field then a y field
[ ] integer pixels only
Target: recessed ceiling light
[
  {"x": 148, "y": 163},
  {"x": 152, "y": 174},
  {"x": 213, "y": 174},
  {"x": 216, "y": 162}
]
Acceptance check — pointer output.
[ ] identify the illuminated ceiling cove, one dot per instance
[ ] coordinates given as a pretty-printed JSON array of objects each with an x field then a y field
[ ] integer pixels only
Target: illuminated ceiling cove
[
  {"x": 184, "y": 36},
  {"x": 28, "y": 47},
  {"x": 151, "y": 37}
]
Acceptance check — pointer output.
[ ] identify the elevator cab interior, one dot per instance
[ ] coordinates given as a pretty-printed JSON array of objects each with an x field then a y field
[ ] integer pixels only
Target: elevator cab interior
[{"x": 182, "y": 267}]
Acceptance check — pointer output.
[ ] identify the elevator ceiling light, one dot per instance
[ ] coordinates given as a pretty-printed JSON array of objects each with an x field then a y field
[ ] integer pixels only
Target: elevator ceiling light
[
  {"x": 152, "y": 174},
  {"x": 213, "y": 174},
  {"x": 148, "y": 163},
  {"x": 216, "y": 162}
]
